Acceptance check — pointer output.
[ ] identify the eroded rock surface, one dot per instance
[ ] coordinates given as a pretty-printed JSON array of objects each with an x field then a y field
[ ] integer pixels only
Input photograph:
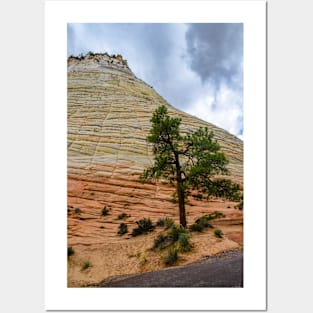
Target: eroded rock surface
[{"x": 109, "y": 112}]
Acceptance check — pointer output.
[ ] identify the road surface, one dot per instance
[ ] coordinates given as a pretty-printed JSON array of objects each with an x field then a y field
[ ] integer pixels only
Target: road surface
[{"x": 223, "y": 270}]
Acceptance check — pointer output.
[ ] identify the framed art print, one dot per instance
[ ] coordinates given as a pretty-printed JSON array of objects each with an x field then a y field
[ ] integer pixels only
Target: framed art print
[{"x": 155, "y": 155}]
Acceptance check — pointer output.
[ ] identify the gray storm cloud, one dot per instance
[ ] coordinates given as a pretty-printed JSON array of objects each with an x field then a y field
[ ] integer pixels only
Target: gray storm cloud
[{"x": 215, "y": 52}]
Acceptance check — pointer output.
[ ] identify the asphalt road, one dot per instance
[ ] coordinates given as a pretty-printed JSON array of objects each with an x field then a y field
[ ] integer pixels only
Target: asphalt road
[{"x": 223, "y": 270}]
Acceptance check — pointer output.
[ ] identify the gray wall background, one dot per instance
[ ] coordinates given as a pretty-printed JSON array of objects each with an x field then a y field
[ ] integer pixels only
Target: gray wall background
[{"x": 290, "y": 68}]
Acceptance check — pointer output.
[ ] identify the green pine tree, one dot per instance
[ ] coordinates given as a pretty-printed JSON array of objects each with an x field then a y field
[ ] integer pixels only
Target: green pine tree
[{"x": 190, "y": 162}]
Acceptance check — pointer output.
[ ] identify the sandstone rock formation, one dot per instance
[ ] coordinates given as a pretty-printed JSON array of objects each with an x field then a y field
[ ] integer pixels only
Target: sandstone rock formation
[{"x": 108, "y": 118}]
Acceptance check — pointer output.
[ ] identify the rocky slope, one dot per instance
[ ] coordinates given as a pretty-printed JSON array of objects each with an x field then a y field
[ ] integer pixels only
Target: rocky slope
[{"x": 109, "y": 111}]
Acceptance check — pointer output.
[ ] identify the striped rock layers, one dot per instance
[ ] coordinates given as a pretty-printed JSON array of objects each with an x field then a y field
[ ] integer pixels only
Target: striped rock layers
[{"x": 108, "y": 118}]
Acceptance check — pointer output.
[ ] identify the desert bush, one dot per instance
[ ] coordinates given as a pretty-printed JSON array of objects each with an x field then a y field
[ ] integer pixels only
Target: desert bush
[
  {"x": 160, "y": 242},
  {"x": 77, "y": 211},
  {"x": 122, "y": 229},
  {"x": 201, "y": 223},
  {"x": 196, "y": 227},
  {"x": 144, "y": 226},
  {"x": 104, "y": 211},
  {"x": 160, "y": 222},
  {"x": 172, "y": 256},
  {"x": 143, "y": 260},
  {"x": 168, "y": 223},
  {"x": 136, "y": 232},
  {"x": 86, "y": 265},
  {"x": 184, "y": 244},
  {"x": 165, "y": 222},
  {"x": 211, "y": 216},
  {"x": 122, "y": 216},
  {"x": 175, "y": 231},
  {"x": 218, "y": 233},
  {"x": 70, "y": 251}
]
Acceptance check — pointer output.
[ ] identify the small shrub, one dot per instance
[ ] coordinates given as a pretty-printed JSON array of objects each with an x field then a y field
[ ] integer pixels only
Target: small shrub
[
  {"x": 184, "y": 244},
  {"x": 160, "y": 242},
  {"x": 218, "y": 233},
  {"x": 168, "y": 223},
  {"x": 122, "y": 216},
  {"x": 143, "y": 260},
  {"x": 172, "y": 256},
  {"x": 211, "y": 216},
  {"x": 201, "y": 223},
  {"x": 122, "y": 229},
  {"x": 144, "y": 226},
  {"x": 77, "y": 211},
  {"x": 165, "y": 222},
  {"x": 86, "y": 265},
  {"x": 104, "y": 211},
  {"x": 160, "y": 222},
  {"x": 196, "y": 227},
  {"x": 175, "y": 231},
  {"x": 136, "y": 232},
  {"x": 70, "y": 251}
]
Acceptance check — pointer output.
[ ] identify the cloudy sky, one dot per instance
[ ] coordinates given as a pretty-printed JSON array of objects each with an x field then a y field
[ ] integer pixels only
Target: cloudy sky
[{"x": 198, "y": 68}]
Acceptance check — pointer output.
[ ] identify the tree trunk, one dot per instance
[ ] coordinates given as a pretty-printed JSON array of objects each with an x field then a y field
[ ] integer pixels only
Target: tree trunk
[
  {"x": 181, "y": 203},
  {"x": 180, "y": 193}
]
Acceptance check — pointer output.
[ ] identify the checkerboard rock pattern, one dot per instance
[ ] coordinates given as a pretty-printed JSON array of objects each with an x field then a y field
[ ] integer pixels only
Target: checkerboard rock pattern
[{"x": 108, "y": 118}]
